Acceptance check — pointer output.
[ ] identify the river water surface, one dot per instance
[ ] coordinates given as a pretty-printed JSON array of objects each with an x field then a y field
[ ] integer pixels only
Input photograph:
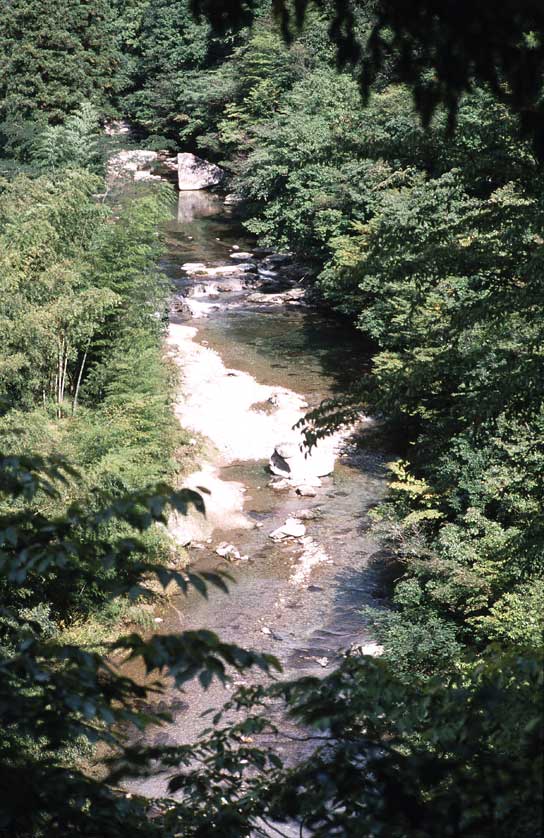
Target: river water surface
[{"x": 306, "y": 617}]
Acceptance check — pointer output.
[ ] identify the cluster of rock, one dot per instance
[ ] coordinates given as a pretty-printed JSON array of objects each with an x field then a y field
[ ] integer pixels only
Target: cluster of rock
[
  {"x": 298, "y": 468},
  {"x": 271, "y": 279},
  {"x": 135, "y": 163},
  {"x": 193, "y": 173}
]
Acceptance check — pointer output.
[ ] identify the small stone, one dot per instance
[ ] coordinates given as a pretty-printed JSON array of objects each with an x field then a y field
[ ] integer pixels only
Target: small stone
[
  {"x": 266, "y": 630},
  {"x": 322, "y": 661},
  {"x": 306, "y": 491},
  {"x": 227, "y": 551},
  {"x": 306, "y": 514},
  {"x": 279, "y": 485},
  {"x": 158, "y": 620},
  {"x": 293, "y": 528}
]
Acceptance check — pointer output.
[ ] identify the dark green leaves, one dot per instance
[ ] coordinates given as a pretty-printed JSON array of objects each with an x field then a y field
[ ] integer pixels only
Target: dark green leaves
[{"x": 191, "y": 654}]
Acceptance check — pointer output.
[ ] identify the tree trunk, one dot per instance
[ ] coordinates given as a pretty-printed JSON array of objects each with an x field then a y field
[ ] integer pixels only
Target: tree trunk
[
  {"x": 63, "y": 363},
  {"x": 79, "y": 377}
]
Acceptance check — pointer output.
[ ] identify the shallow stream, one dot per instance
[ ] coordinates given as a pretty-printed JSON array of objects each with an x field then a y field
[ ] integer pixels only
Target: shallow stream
[{"x": 305, "y": 616}]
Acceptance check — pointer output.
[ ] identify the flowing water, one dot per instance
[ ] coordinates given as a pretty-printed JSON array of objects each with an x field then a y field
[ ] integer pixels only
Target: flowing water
[{"x": 305, "y": 619}]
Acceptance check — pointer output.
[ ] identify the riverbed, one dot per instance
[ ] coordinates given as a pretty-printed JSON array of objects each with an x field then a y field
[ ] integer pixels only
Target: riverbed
[{"x": 248, "y": 372}]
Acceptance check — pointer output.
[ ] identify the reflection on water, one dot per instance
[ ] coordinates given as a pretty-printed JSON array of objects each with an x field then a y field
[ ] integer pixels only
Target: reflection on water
[
  {"x": 202, "y": 230},
  {"x": 197, "y": 204}
]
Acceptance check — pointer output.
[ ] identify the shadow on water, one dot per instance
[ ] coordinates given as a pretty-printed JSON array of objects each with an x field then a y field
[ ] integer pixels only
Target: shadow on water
[{"x": 290, "y": 347}]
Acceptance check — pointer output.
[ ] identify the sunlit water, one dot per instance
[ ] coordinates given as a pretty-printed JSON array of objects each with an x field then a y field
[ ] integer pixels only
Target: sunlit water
[{"x": 306, "y": 626}]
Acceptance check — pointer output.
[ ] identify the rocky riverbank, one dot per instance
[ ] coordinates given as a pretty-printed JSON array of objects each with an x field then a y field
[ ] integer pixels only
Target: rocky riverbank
[{"x": 291, "y": 529}]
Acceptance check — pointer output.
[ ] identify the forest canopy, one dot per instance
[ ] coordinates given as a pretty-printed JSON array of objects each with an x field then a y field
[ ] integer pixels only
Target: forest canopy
[{"x": 395, "y": 150}]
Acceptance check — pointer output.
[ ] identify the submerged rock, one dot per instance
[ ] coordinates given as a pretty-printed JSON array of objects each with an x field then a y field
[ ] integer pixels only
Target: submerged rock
[
  {"x": 195, "y": 173},
  {"x": 313, "y": 554}
]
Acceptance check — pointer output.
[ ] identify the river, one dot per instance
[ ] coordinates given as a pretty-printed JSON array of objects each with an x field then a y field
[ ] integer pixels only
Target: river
[{"x": 298, "y": 601}]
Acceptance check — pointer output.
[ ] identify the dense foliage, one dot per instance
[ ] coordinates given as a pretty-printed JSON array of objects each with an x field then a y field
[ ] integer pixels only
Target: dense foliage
[
  {"x": 57, "y": 696},
  {"x": 431, "y": 243},
  {"x": 441, "y": 50},
  {"x": 82, "y": 319}
]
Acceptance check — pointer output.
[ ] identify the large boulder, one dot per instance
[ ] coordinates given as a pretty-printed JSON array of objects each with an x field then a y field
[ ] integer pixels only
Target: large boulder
[
  {"x": 195, "y": 173},
  {"x": 300, "y": 466}
]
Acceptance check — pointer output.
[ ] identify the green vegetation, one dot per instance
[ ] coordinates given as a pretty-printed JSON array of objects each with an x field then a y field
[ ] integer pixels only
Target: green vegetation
[
  {"x": 430, "y": 242},
  {"x": 82, "y": 317}
]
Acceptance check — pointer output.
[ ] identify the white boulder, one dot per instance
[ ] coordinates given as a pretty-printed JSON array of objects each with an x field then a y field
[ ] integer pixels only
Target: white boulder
[
  {"x": 116, "y": 128},
  {"x": 303, "y": 467},
  {"x": 195, "y": 173},
  {"x": 194, "y": 267}
]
